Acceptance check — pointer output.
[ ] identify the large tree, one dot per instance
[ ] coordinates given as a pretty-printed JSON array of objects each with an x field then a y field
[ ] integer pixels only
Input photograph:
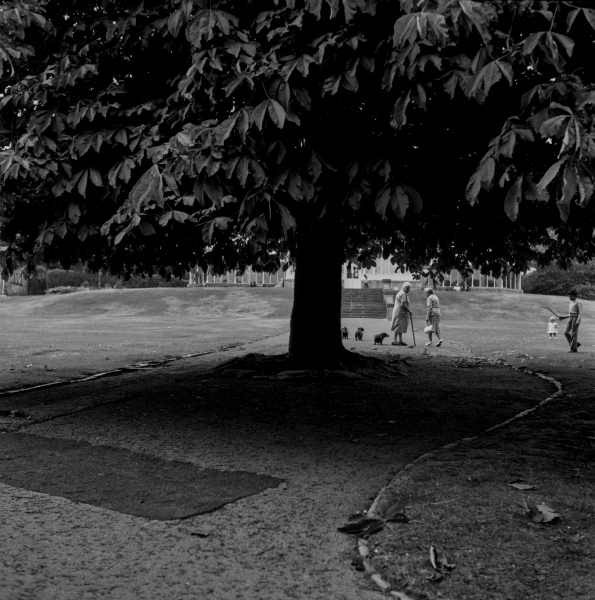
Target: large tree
[{"x": 161, "y": 134}]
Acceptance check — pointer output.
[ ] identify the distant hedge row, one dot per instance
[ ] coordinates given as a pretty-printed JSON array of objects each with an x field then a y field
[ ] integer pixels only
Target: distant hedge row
[
  {"x": 557, "y": 282},
  {"x": 60, "y": 278}
]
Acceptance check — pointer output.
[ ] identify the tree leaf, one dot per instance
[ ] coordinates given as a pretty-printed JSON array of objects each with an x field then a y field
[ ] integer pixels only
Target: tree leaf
[
  {"x": 551, "y": 127},
  {"x": 585, "y": 187},
  {"x": 363, "y": 526},
  {"x": 400, "y": 202},
  {"x": 550, "y": 174},
  {"x": 404, "y": 26},
  {"x": 474, "y": 186},
  {"x": 314, "y": 6},
  {"x": 74, "y": 213},
  {"x": 513, "y": 198},
  {"x": 531, "y": 42},
  {"x": 507, "y": 148},
  {"x": 571, "y": 17},
  {"x": 540, "y": 513},
  {"x": 224, "y": 130},
  {"x": 277, "y": 113},
  {"x": 532, "y": 193},
  {"x": 349, "y": 7},
  {"x": 399, "y": 117},
  {"x": 570, "y": 181},
  {"x": 565, "y": 41},
  {"x": 207, "y": 231},
  {"x": 121, "y": 137},
  {"x": 395, "y": 513},
  {"x": 148, "y": 188},
  {"x": 415, "y": 198},
  {"x": 82, "y": 183},
  {"x": 434, "y": 558},
  {"x": 175, "y": 22},
  {"x": 382, "y": 201},
  {"x": 95, "y": 177},
  {"x": 506, "y": 70},
  {"x": 287, "y": 220},
  {"x": 165, "y": 218},
  {"x": 146, "y": 228},
  {"x": 242, "y": 170},
  {"x": 589, "y": 14},
  {"x": 521, "y": 486},
  {"x": 486, "y": 78},
  {"x": 258, "y": 114}
]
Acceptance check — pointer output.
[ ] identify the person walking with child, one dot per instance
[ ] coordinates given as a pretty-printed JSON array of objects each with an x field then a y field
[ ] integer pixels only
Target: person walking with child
[
  {"x": 552, "y": 329},
  {"x": 575, "y": 313},
  {"x": 433, "y": 318}
]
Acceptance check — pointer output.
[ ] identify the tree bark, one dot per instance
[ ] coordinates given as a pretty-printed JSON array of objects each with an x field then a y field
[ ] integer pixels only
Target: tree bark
[{"x": 315, "y": 340}]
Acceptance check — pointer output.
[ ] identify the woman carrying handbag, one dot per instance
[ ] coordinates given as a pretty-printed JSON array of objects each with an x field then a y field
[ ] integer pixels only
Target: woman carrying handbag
[{"x": 433, "y": 318}]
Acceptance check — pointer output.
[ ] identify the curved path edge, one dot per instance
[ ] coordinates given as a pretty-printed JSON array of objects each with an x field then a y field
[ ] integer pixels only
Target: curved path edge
[
  {"x": 139, "y": 366},
  {"x": 363, "y": 548}
]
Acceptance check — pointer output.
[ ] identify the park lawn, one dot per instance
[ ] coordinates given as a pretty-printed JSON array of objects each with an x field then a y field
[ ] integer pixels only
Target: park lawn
[
  {"x": 481, "y": 306},
  {"x": 50, "y": 338}
]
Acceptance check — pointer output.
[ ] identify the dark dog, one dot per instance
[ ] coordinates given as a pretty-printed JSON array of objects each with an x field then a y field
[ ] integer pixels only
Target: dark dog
[
  {"x": 359, "y": 334},
  {"x": 344, "y": 333},
  {"x": 378, "y": 339}
]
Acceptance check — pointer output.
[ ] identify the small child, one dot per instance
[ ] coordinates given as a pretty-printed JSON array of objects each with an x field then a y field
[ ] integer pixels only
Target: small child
[{"x": 552, "y": 328}]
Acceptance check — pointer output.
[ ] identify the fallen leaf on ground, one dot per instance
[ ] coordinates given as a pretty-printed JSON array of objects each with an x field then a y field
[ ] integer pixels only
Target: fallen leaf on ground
[
  {"x": 396, "y": 514},
  {"x": 540, "y": 513},
  {"x": 439, "y": 562},
  {"x": 518, "y": 485},
  {"x": 362, "y": 526},
  {"x": 433, "y": 558}
]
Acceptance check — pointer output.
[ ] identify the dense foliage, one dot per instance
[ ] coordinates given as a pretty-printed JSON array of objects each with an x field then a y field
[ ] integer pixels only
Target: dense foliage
[
  {"x": 232, "y": 133},
  {"x": 558, "y": 282}
]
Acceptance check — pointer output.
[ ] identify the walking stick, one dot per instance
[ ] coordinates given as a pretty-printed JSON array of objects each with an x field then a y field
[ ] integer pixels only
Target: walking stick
[
  {"x": 555, "y": 315},
  {"x": 413, "y": 332}
]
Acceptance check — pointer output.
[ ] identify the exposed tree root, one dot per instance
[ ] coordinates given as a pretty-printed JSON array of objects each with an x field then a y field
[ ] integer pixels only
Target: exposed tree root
[{"x": 348, "y": 365}]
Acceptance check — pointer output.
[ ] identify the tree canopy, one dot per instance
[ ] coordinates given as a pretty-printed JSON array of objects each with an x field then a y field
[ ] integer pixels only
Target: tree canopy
[{"x": 142, "y": 135}]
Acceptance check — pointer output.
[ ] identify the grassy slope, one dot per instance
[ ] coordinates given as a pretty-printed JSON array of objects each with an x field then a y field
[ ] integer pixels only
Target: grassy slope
[
  {"x": 48, "y": 338},
  {"x": 491, "y": 306},
  {"x": 156, "y": 302},
  {"x": 271, "y": 303}
]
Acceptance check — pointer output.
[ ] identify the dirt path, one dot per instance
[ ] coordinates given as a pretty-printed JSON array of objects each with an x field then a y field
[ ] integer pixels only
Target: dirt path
[{"x": 335, "y": 445}]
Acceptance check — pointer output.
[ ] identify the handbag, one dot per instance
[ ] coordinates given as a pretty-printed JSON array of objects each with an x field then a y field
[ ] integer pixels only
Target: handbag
[{"x": 428, "y": 329}]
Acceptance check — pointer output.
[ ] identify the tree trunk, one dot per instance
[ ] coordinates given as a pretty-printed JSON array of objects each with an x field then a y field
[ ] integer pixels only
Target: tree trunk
[{"x": 315, "y": 336}]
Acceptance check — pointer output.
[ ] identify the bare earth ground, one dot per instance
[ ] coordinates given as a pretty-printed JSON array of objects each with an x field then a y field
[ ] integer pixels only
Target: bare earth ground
[{"x": 336, "y": 445}]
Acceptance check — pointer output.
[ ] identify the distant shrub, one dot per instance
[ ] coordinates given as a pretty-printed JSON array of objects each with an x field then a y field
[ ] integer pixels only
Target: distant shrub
[
  {"x": 585, "y": 292},
  {"x": 36, "y": 283},
  {"x": 76, "y": 278},
  {"x": 61, "y": 278},
  {"x": 63, "y": 289},
  {"x": 558, "y": 282}
]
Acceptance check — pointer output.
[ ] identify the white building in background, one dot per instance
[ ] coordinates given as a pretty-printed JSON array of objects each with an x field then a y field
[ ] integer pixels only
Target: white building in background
[
  {"x": 385, "y": 275},
  {"x": 198, "y": 277}
]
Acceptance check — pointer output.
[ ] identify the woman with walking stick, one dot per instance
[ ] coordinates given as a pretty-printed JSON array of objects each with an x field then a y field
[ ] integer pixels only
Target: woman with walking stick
[{"x": 401, "y": 314}]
